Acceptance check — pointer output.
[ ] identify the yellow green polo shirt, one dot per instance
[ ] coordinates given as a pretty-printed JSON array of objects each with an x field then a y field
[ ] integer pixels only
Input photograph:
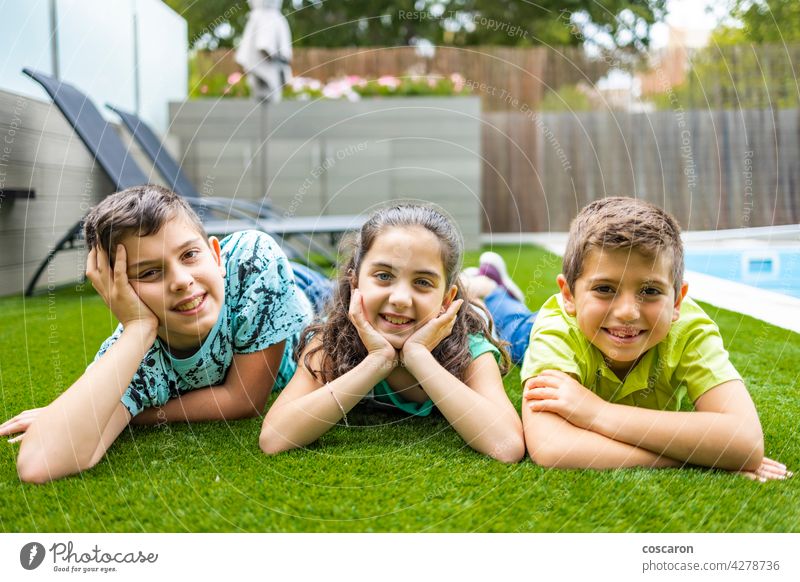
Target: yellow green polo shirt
[{"x": 689, "y": 361}]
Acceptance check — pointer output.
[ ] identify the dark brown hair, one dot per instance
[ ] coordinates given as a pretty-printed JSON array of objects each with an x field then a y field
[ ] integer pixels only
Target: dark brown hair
[
  {"x": 140, "y": 210},
  {"x": 340, "y": 345},
  {"x": 623, "y": 223}
]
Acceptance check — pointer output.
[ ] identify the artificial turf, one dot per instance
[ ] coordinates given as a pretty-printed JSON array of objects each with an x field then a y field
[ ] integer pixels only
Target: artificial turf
[{"x": 387, "y": 472}]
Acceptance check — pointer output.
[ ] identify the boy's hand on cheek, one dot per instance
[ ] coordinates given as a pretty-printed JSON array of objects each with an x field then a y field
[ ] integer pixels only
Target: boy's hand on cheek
[
  {"x": 115, "y": 289},
  {"x": 555, "y": 391},
  {"x": 434, "y": 331}
]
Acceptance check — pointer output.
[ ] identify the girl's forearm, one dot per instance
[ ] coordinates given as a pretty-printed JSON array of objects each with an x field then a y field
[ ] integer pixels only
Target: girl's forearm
[
  {"x": 303, "y": 420},
  {"x": 488, "y": 428},
  {"x": 66, "y": 435}
]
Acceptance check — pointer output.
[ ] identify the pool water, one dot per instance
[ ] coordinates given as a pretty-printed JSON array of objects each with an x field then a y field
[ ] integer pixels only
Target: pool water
[{"x": 773, "y": 268}]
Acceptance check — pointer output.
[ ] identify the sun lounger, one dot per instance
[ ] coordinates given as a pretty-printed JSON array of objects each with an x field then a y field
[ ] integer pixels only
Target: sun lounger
[{"x": 220, "y": 215}]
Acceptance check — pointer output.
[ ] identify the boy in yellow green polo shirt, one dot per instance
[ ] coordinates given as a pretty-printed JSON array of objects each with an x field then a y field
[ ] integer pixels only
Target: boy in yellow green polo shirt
[{"x": 613, "y": 356}]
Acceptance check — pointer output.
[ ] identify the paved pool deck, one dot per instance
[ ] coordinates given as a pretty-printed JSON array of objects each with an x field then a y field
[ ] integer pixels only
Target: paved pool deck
[{"x": 774, "y": 308}]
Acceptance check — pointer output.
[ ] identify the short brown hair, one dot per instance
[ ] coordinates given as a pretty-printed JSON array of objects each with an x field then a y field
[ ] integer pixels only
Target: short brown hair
[
  {"x": 140, "y": 210},
  {"x": 623, "y": 223}
]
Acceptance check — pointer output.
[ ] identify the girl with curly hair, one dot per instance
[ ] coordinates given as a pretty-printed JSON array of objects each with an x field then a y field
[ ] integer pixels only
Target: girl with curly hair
[{"x": 400, "y": 331}]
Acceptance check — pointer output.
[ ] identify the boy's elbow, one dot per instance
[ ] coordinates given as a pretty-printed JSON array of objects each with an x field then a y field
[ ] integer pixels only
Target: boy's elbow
[
  {"x": 33, "y": 473},
  {"x": 753, "y": 450},
  {"x": 33, "y": 468},
  {"x": 547, "y": 457}
]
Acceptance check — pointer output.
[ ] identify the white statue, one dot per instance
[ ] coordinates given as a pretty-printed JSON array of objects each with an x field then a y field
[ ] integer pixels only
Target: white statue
[{"x": 265, "y": 52}]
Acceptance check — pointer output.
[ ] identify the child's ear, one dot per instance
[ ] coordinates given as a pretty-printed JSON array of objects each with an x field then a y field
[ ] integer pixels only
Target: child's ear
[
  {"x": 566, "y": 293},
  {"x": 216, "y": 251},
  {"x": 449, "y": 296},
  {"x": 676, "y": 313}
]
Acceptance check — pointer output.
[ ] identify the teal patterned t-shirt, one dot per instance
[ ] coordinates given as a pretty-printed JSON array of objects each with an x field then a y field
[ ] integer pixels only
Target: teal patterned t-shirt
[{"x": 263, "y": 306}]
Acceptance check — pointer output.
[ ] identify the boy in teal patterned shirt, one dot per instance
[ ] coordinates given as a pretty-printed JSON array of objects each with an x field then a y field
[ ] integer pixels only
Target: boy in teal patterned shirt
[{"x": 207, "y": 330}]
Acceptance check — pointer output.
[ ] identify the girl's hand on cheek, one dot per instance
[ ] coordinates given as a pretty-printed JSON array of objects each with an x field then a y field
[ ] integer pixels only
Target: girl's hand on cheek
[
  {"x": 115, "y": 289},
  {"x": 434, "y": 331},
  {"x": 375, "y": 343}
]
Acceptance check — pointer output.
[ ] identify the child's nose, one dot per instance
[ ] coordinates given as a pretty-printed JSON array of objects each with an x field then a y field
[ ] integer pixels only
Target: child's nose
[
  {"x": 181, "y": 279},
  {"x": 626, "y": 307},
  {"x": 400, "y": 296}
]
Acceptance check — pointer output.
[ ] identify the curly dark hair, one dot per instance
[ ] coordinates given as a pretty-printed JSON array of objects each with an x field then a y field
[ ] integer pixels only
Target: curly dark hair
[{"x": 340, "y": 345}]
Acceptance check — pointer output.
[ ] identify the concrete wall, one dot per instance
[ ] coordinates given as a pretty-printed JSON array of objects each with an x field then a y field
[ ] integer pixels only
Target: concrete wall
[
  {"x": 40, "y": 152},
  {"x": 336, "y": 157},
  {"x": 312, "y": 159}
]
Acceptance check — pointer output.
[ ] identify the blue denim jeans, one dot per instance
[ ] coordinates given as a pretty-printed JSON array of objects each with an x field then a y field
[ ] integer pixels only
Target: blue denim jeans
[
  {"x": 317, "y": 287},
  {"x": 513, "y": 321}
]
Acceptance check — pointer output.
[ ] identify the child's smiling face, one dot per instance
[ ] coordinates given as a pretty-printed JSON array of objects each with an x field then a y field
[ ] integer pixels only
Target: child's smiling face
[
  {"x": 403, "y": 283},
  {"x": 180, "y": 277},
  {"x": 624, "y": 303}
]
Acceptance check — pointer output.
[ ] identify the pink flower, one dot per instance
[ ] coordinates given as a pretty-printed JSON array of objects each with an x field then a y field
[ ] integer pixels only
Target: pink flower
[
  {"x": 389, "y": 82},
  {"x": 356, "y": 81},
  {"x": 458, "y": 82},
  {"x": 234, "y": 78}
]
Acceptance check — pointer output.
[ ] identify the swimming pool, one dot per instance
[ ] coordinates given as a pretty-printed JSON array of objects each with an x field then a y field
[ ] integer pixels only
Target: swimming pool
[{"x": 774, "y": 268}]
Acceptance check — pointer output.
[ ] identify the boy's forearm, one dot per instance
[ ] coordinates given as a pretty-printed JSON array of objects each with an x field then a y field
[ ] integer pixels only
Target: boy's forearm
[
  {"x": 211, "y": 403},
  {"x": 556, "y": 443},
  {"x": 66, "y": 435},
  {"x": 711, "y": 439},
  {"x": 244, "y": 393}
]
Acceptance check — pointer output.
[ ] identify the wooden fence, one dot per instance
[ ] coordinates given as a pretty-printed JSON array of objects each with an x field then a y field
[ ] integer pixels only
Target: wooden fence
[
  {"x": 502, "y": 75},
  {"x": 711, "y": 169},
  {"x": 722, "y": 152}
]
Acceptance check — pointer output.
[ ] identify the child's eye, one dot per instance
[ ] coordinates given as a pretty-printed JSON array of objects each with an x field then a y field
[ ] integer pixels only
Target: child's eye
[
  {"x": 383, "y": 276},
  {"x": 149, "y": 274},
  {"x": 651, "y": 291},
  {"x": 604, "y": 289},
  {"x": 424, "y": 283},
  {"x": 192, "y": 254}
]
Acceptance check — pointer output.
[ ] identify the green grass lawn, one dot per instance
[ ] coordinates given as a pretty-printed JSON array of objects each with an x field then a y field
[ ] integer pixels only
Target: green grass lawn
[{"x": 387, "y": 473}]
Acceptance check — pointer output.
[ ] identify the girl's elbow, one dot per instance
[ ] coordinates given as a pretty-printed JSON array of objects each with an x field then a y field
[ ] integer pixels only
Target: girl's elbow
[
  {"x": 510, "y": 451},
  {"x": 272, "y": 443}
]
